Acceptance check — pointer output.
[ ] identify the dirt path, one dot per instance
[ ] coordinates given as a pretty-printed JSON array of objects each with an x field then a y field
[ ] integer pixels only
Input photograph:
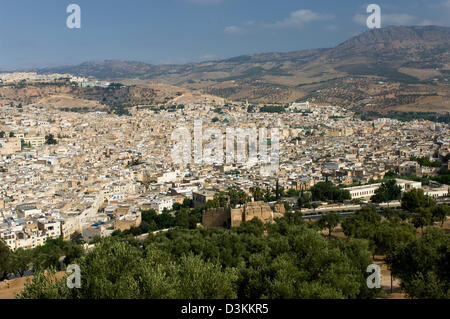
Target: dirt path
[{"x": 10, "y": 288}]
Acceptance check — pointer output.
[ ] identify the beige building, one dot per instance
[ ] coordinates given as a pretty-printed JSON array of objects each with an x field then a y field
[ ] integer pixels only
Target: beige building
[
  {"x": 410, "y": 168},
  {"x": 229, "y": 217},
  {"x": 34, "y": 140},
  {"x": 10, "y": 146},
  {"x": 201, "y": 198}
]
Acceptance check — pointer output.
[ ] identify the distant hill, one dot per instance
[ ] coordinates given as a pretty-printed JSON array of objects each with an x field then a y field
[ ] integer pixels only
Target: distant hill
[{"x": 413, "y": 63}]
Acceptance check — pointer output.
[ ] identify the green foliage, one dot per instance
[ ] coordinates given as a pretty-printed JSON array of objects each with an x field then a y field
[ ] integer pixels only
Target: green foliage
[
  {"x": 50, "y": 140},
  {"x": 289, "y": 260},
  {"x": 45, "y": 285},
  {"x": 21, "y": 261},
  {"x": 272, "y": 109},
  {"x": 135, "y": 162},
  {"x": 304, "y": 200},
  {"x": 5, "y": 253},
  {"x": 425, "y": 161},
  {"x": 151, "y": 221},
  {"x": 303, "y": 264},
  {"x": 232, "y": 197},
  {"x": 388, "y": 191},
  {"x": 329, "y": 221},
  {"x": 253, "y": 227},
  {"x": 422, "y": 265},
  {"x": 257, "y": 194},
  {"x": 269, "y": 194},
  {"x": 237, "y": 196},
  {"x": 389, "y": 235},
  {"x": 184, "y": 217},
  {"x": 363, "y": 225},
  {"x": 382, "y": 236},
  {"x": 415, "y": 199},
  {"x": 324, "y": 191},
  {"x": 395, "y": 215},
  {"x": 292, "y": 192},
  {"x": 251, "y": 109},
  {"x": 440, "y": 213},
  {"x": 443, "y": 178},
  {"x": 409, "y": 116},
  {"x": 423, "y": 217},
  {"x": 43, "y": 257}
]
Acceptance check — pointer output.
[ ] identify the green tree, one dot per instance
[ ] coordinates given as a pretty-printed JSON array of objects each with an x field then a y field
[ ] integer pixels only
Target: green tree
[
  {"x": 205, "y": 280},
  {"x": 422, "y": 265},
  {"x": 45, "y": 285},
  {"x": 254, "y": 227},
  {"x": 304, "y": 200},
  {"x": 268, "y": 196},
  {"x": 21, "y": 261},
  {"x": 115, "y": 269},
  {"x": 257, "y": 194},
  {"x": 389, "y": 235},
  {"x": 292, "y": 192},
  {"x": 188, "y": 203},
  {"x": 415, "y": 199},
  {"x": 363, "y": 225},
  {"x": 329, "y": 221},
  {"x": 5, "y": 254},
  {"x": 387, "y": 192},
  {"x": 237, "y": 196},
  {"x": 50, "y": 140},
  {"x": 324, "y": 191},
  {"x": 423, "y": 217},
  {"x": 182, "y": 218},
  {"x": 440, "y": 213}
]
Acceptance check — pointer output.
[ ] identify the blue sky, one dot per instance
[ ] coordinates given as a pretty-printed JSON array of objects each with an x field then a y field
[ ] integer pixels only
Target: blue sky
[{"x": 34, "y": 33}]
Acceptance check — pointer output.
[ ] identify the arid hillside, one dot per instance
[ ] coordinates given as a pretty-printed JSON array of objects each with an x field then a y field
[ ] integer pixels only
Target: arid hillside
[{"x": 393, "y": 68}]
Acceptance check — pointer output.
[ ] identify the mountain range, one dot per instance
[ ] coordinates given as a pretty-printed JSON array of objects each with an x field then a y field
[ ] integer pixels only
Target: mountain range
[{"x": 393, "y": 68}]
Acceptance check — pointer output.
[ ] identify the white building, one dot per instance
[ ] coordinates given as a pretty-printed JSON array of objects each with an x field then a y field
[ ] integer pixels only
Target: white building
[
  {"x": 367, "y": 191},
  {"x": 27, "y": 211},
  {"x": 167, "y": 178},
  {"x": 437, "y": 192},
  {"x": 364, "y": 191},
  {"x": 162, "y": 203},
  {"x": 299, "y": 106},
  {"x": 51, "y": 228}
]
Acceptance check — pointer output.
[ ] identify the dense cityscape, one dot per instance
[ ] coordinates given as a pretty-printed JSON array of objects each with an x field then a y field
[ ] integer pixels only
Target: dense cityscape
[
  {"x": 220, "y": 158},
  {"x": 85, "y": 176}
]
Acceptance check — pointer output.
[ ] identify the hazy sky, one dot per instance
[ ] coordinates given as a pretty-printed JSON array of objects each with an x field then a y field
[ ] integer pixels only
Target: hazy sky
[{"x": 33, "y": 33}]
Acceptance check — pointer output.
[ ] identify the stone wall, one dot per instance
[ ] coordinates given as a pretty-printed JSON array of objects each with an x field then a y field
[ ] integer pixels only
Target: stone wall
[
  {"x": 125, "y": 224},
  {"x": 260, "y": 210},
  {"x": 236, "y": 217},
  {"x": 219, "y": 217},
  {"x": 279, "y": 208},
  {"x": 222, "y": 217}
]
